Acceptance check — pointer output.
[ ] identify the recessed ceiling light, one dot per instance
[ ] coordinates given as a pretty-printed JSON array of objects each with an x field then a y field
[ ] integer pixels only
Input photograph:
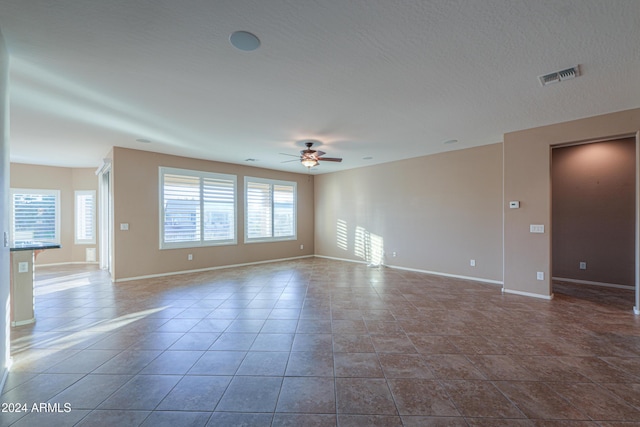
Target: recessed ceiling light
[
  {"x": 450, "y": 141},
  {"x": 144, "y": 141},
  {"x": 244, "y": 40},
  {"x": 367, "y": 158},
  {"x": 250, "y": 160}
]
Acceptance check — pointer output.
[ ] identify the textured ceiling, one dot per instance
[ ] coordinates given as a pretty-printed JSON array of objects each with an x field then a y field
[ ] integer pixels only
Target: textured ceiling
[{"x": 387, "y": 79}]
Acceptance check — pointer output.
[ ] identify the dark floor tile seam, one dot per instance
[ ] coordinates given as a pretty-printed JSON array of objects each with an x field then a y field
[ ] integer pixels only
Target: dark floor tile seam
[
  {"x": 81, "y": 378},
  {"x": 118, "y": 410},
  {"x": 561, "y": 396},
  {"x": 626, "y": 371}
]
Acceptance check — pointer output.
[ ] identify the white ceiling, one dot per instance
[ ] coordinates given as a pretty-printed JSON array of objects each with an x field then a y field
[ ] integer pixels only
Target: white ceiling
[{"x": 388, "y": 79}]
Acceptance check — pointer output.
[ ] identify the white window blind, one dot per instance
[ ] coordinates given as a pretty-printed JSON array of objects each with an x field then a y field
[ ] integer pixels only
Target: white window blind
[
  {"x": 85, "y": 216},
  {"x": 35, "y": 215},
  {"x": 270, "y": 210},
  {"x": 197, "y": 208}
]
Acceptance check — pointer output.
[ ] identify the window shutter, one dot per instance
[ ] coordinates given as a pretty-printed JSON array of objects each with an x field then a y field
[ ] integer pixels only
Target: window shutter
[
  {"x": 283, "y": 211},
  {"x": 259, "y": 214},
  {"x": 85, "y": 217},
  {"x": 270, "y": 210},
  {"x": 219, "y": 208},
  {"x": 34, "y": 215},
  {"x": 181, "y": 196},
  {"x": 197, "y": 208}
]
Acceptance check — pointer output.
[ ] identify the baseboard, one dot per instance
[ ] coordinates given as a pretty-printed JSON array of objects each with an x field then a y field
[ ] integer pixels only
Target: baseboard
[
  {"x": 355, "y": 261},
  {"x": 416, "y": 270},
  {"x": 200, "y": 270},
  {"x": 527, "y": 294},
  {"x": 23, "y": 322},
  {"x": 66, "y": 263},
  {"x": 589, "y": 282}
]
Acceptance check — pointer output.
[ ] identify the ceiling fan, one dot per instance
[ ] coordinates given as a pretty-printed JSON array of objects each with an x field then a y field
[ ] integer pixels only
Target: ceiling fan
[{"x": 310, "y": 158}]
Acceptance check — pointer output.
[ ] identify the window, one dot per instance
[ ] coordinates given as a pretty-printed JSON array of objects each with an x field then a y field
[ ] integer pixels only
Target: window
[
  {"x": 270, "y": 210},
  {"x": 35, "y": 215},
  {"x": 85, "y": 217},
  {"x": 196, "y": 208}
]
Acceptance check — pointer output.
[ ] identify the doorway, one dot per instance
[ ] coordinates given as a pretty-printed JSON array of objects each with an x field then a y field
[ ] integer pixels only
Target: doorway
[
  {"x": 594, "y": 219},
  {"x": 106, "y": 215}
]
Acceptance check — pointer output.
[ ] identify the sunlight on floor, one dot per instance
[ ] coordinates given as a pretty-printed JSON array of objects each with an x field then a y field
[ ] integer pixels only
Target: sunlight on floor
[
  {"x": 56, "y": 284},
  {"x": 100, "y": 327}
]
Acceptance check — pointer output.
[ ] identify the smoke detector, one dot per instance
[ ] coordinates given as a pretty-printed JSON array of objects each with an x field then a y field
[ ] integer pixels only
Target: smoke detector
[{"x": 559, "y": 76}]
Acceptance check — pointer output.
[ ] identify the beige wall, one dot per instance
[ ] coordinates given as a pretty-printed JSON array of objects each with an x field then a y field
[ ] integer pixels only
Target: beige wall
[
  {"x": 527, "y": 178},
  {"x": 436, "y": 212},
  {"x": 67, "y": 180},
  {"x": 593, "y": 211},
  {"x": 136, "y": 202}
]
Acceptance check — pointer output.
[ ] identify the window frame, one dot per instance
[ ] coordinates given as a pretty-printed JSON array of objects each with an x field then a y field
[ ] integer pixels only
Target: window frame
[
  {"x": 272, "y": 183},
  {"x": 40, "y": 192},
  {"x": 201, "y": 175},
  {"x": 77, "y": 240}
]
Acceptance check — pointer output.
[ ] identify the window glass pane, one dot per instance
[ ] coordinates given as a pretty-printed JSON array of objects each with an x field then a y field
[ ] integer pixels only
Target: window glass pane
[
  {"x": 181, "y": 197},
  {"x": 219, "y": 209},
  {"x": 34, "y": 215},
  {"x": 85, "y": 216},
  {"x": 258, "y": 210},
  {"x": 283, "y": 211}
]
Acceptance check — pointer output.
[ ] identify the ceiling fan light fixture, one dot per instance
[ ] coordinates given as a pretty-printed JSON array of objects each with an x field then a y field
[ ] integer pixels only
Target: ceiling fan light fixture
[{"x": 309, "y": 163}]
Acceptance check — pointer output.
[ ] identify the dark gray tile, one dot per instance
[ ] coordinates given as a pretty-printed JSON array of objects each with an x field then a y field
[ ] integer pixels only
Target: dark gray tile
[{"x": 251, "y": 394}]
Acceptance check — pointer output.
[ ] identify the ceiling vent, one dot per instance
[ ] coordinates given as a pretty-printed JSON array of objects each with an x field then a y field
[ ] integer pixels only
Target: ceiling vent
[{"x": 558, "y": 76}]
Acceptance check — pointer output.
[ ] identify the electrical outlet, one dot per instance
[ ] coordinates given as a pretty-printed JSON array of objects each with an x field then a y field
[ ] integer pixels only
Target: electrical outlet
[
  {"x": 540, "y": 275},
  {"x": 583, "y": 265},
  {"x": 23, "y": 267},
  {"x": 472, "y": 263},
  {"x": 190, "y": 257},
  {"x": 301, "y": 247},
  {"x": 394, "y": 254}
]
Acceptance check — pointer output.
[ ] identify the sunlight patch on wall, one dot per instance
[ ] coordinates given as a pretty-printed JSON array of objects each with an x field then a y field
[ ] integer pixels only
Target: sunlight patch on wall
[
  {"x": 369, "y": 247},
  {"x": 341, "y": 235}
]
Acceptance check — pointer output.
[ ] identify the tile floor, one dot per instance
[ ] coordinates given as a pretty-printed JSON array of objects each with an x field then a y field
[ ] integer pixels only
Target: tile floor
[{"x": 316, "y": 342}]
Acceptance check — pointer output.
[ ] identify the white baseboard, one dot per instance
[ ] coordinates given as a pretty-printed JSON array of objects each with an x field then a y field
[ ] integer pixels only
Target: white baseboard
[
  {"x": 527, "y": 294},
  {"x": 416, "y": 270},
  {"x": 355, "y": 261},
  {"x": 66, "y": 263},
  {"x": 199, "y": 270},
  {"x": 588, "y": 282}
]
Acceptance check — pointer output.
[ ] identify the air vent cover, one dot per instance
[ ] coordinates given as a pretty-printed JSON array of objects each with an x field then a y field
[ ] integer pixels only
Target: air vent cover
[{"x": 558, "y": 76}]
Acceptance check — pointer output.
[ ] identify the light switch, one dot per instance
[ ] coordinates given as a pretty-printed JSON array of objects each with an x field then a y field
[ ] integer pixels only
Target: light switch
[
  {"x": 536, "y": 228},
  {"x": 124, "y": 226},
  {"x": 514, "y": 204},
  {"x": 540, "y": 275}
]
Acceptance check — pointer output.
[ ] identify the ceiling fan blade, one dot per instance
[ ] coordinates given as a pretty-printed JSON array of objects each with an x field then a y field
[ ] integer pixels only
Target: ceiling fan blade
[
  {"x": 293, "y": 155},
  {"x": 320, "y": 153},
  {"x": 289, "y": 161},
  {"x": 329, "y": 159}
]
